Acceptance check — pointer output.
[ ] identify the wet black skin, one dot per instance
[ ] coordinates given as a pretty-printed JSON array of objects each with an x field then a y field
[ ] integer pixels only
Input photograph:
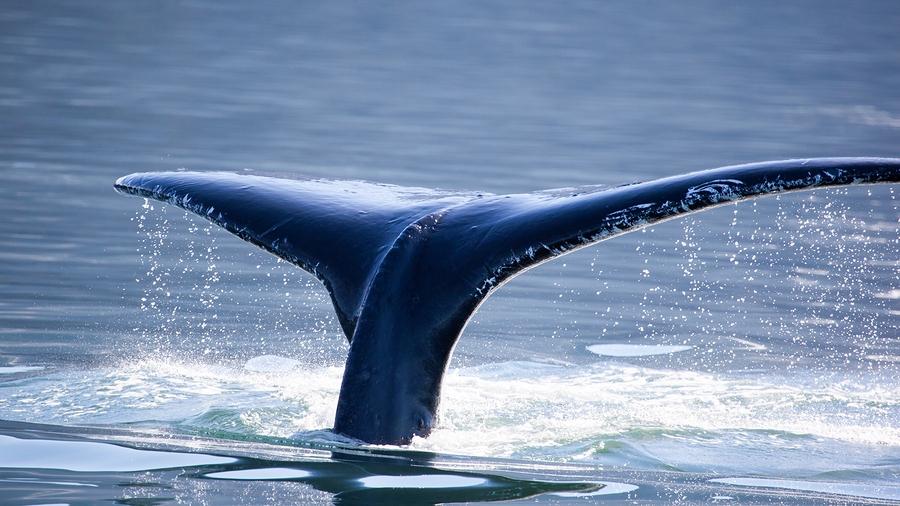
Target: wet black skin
[{"x": 406, "y": 268}]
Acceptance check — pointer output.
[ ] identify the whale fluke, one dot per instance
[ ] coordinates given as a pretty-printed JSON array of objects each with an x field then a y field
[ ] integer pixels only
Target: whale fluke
[{"x": 407, "y": 267}]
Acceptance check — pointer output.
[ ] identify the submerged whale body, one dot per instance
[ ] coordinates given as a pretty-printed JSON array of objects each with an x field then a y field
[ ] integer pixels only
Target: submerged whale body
[{"x": 407, "y": 267}]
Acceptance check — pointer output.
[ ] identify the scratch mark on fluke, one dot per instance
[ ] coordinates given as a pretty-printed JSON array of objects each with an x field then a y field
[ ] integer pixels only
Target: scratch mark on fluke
[{"x": 378, "y": 247}]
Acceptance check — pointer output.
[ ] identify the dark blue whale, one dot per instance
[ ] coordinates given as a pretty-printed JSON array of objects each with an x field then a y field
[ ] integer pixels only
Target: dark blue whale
[{"x": 407, "y": 267}]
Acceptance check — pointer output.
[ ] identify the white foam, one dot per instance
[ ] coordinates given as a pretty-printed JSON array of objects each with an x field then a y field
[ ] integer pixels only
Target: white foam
[
  {"x": 676, "y": 416},
  {"x": 198, "y": 395},
  {"x": 605, "y": 412},
  {"x": 634, "y": 350}
]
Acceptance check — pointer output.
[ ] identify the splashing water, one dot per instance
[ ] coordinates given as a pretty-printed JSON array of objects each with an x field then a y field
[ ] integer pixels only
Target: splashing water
[
  {"x": 208, "y": 296},
  {"x": 609, "y": 412},
  {"x": 775, "y": 361}
]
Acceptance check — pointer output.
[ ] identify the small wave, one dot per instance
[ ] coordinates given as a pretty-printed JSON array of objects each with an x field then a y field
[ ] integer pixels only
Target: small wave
[
  {"x": 849, "y": 489},
  {"x": 607, "y": 412},
  {"x": 628, "y": 415}
]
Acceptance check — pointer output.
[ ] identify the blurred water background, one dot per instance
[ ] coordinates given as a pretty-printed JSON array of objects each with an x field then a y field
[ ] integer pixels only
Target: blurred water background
[{"x": 117, "y": 311}]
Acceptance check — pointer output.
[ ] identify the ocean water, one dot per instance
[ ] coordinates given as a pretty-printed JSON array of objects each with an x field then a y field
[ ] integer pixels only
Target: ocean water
[{"x": 750, "y": 353}]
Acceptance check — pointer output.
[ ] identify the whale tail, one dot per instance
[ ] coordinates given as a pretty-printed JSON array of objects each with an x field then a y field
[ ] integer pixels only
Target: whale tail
[{"x": 407, "y": 267}]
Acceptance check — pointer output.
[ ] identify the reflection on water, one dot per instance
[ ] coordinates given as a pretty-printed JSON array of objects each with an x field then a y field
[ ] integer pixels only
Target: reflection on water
[
  {"x": 85, "y": 456},
  {"x": 32, "y": 463},
  {"x": 102, "y": 465},
  {"x": 845, "y": 489}
]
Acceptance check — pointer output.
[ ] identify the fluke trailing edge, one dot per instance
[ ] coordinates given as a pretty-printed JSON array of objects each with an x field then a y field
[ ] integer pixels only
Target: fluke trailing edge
[{"x": 407, "y": 267}]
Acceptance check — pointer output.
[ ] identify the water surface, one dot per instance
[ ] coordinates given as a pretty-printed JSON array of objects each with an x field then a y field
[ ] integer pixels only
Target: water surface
[{"x": 779, "y": 317}]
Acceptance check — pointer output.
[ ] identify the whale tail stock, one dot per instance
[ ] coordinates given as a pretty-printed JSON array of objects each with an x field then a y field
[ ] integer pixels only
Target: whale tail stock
[{"x": 407, "y": 267}]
